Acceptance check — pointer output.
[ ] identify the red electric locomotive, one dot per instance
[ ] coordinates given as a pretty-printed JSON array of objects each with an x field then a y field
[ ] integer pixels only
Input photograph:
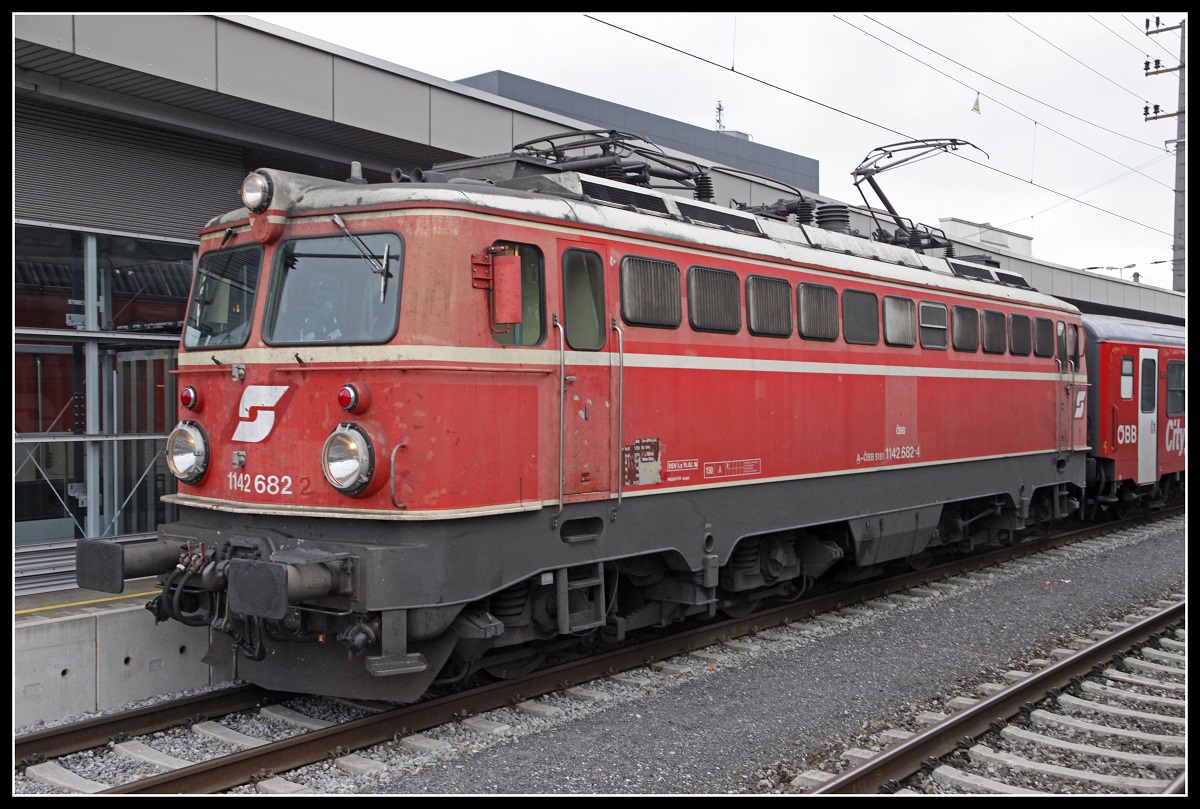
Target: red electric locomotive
[
  {"x": 1137, "y": 413},
  {"x": 444, "y": 424}
]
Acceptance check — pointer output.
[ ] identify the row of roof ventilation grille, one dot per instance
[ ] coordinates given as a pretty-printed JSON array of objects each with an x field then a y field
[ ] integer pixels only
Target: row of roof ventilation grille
[
  {"x": 742, "y": 224},
  {"x": 624, "y": 196},
  {"x": 990, "y": 275},
  {"x": 654, "y": 204}
]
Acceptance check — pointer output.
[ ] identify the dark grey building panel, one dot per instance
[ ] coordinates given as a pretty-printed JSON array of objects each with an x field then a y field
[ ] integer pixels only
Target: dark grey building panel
[{"x": 718, "y": 147}]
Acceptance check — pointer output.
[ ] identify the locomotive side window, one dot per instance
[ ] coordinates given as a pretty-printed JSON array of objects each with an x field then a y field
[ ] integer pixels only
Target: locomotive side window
[
  {"x": 1126, "y": 377},
  {"x": 714, "y": 300},
  {"x": 992, "y": 323},
  {"x": 934, "y": 326},
  {"x": 899, "y": 321},
  {"x": 768, "y": 306},
  {"x": 860, "y": 317},
  {"x": 966, "y": 329},
  {"x": 529, "y": 331},
  {"x": 1074, "y": 344},
  {"x": 1149, "y": 398},
  {"x": 818, "y": 308},
  {"x": 1043, "y": 337},
  {"x": 1020, "y": 340},
  {"x": 650, "y": 293},
  {"x": 583, "y": 300},
  {"x": 226, "y": 285},
  {"x": 1176, "y": 388}
]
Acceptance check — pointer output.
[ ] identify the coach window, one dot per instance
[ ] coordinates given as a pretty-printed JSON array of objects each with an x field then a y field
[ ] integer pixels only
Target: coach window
[
  {"x": 1020, "y": 341},
  {"x": 860, "y": 317},
  {"x": 817, "y": 307},
  {"x": 965, "y": 333},
  {"x": 899, "y": 321},
  {"x": 1043, "y": 337},
  {"x": 994, "y": 340},
  {"x": 1126, "y": 377},
  {"x": 583, "y": 300},
  {"x": 650, "y": 293},
  {"x": 1149, "y": 386},
  {"x": 934, "y": 327},
  {"x": 529, "y": 331},
  {"x": 714, "y": 300},
  {"x": 768, "y": 306},
  {"x": 1176, "y": 388}
]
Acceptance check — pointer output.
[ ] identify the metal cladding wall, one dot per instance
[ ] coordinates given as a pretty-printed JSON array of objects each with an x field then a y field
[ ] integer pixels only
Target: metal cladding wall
[{"x": 89, "y": 172}]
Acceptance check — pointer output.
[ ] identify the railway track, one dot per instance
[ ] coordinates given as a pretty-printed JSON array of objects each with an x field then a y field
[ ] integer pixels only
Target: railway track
[
  {"x": 300, "y": 737},
  {"x": 1106, "y": 718}
]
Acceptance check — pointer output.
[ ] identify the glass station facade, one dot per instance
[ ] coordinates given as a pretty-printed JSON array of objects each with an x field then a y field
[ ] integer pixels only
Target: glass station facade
[{"x": 96, "y": 324}]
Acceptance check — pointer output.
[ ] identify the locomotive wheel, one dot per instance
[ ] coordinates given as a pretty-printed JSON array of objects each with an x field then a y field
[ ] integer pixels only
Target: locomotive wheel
[
  {"x": 920, "y": 561},
  {"x": 741, "y": 609},
  {"x": 1121, "y": 508},
  {"x": 517, "y": 666},
  {"x": 1043, "y": 515}
]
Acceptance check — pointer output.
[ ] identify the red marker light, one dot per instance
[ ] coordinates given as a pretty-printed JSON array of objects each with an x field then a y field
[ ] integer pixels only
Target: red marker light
[
  {"x": 347, "y": 398},
  {"x": 189, "y": 397}
]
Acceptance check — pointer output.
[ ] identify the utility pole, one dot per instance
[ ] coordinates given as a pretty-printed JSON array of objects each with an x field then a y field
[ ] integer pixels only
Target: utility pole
[{"x": 1179, "y": 248}]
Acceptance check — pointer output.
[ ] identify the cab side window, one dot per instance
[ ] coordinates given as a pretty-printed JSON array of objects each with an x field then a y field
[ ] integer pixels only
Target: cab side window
[{"x": 583, "y": 300}]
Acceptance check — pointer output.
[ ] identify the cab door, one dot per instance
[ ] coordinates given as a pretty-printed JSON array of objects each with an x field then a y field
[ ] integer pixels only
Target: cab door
[
  {"x": 1072, "y": 418},
  {"x": 586, "y": 375},
  {"x": 1147, "y": 434}
]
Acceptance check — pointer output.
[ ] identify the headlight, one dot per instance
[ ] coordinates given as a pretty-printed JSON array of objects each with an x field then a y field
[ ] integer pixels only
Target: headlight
[
  {"x": 348, "y": 459},
  {"x": 187, "y": 452},
  {"x": 256, "y": 191}
]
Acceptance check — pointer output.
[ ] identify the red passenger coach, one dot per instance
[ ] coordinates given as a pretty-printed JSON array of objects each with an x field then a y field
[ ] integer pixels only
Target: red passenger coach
[
  {"x": 447, "y": 424},
  {"x": 1137, "y": 417}
]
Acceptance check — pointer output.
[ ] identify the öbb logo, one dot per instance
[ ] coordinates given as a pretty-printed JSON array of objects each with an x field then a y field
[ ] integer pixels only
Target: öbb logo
[{"x": 257, "y": 412}]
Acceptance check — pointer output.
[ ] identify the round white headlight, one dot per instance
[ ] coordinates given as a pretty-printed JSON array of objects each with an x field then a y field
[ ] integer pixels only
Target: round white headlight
[
  {"x": 256, "y": 191},
  {"x": 348, "y": 459},
  {"x": 187, "y": 452}
]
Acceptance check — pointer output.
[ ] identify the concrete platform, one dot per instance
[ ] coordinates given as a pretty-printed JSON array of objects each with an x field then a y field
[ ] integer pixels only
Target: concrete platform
[{"x": 81, "y": 651}]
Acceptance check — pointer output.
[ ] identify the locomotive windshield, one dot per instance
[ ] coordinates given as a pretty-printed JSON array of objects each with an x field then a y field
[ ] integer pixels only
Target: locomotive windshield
[
  {"x": 327, "y": 290},
  {"x": 226, "y": 283}
]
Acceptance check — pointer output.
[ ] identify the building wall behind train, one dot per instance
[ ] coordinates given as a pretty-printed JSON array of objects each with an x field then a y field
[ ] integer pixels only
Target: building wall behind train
[{"x": 106, "y": 214}]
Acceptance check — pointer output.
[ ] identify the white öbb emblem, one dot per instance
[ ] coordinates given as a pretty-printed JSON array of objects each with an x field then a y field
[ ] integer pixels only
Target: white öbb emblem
[{"x": 257, "y": 412}]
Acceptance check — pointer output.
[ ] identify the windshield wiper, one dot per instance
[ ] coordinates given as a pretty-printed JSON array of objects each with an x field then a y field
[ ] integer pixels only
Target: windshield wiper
[{"x": 376, "y": 267}]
